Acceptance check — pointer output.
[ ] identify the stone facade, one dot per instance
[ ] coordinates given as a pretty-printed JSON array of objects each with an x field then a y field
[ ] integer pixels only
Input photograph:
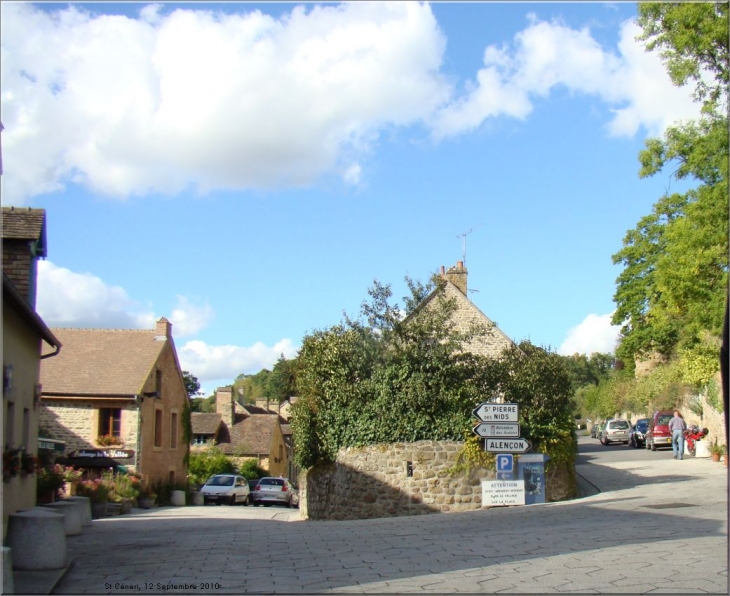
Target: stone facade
[{"x": 374, "y": 481}]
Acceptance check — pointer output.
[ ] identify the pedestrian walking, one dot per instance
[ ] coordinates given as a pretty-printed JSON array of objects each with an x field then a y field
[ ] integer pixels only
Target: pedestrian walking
[{"x": 677, "y": 426}]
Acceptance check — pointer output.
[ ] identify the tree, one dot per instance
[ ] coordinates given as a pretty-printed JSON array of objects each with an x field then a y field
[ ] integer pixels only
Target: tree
[
  {"x": 192, "y": 385},
  {"x": 282, "y": 381},
  {"x": 673, "y": 288}
]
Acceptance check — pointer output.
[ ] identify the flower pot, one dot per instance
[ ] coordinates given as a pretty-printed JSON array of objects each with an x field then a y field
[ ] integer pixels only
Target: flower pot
[
  {"x": 126, "y": 506},
  {"x": 146, "y": 502},
  {"x": 114, "y": 509},
  {"x": 715, "y": 457},
  {"x": 46, "y": 498},
  {"x": 99, "y": 509}
]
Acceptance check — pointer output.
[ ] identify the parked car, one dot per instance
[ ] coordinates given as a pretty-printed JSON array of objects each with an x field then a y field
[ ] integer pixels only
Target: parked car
[
  {"x": 596, "y": 431},
  {"x": 226, "y": 488},
  {"x": 658, "y": 433},
  {"x": 637, "y": 434},
  {"x": 615, "y": 431},
  {"x": 273, "y": 490}
]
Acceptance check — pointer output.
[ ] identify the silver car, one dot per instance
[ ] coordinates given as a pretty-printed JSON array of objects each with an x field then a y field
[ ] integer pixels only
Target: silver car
[
  {"x": 226, "y": 488},
  {"x": 616, "y": 431},
  {"x": 273, "y": 490}
]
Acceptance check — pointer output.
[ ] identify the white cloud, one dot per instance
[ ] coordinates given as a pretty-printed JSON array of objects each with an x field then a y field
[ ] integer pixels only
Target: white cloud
[
  {"x": 594, "y": 334},
  {"x": 549, "y": 55},
  {"x": 187, "y": 318},
  {"x": 204, "y": 100},
  {"x": 209, "y": 362},
  {"x": 69, "y": 299}
]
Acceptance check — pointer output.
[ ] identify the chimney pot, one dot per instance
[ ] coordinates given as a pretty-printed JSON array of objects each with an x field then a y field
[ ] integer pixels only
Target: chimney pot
[{"x": 443, "y": 269}]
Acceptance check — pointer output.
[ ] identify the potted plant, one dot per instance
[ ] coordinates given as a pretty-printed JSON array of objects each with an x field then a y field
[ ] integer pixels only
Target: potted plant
[
  {"x": 11, "y": 464},
  {"x": 123, "y": 492},
  {"x": 98, "y": 493},
  {"x": 716, "y": 451},
  {"x": 50, "y": 482},
  {"x": 72, "y": 477},
  {"x": 147, "y": 496},
  {"x": 108, "y": 440}
]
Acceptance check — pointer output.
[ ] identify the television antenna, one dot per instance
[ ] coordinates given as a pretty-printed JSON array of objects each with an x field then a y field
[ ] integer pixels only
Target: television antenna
[{"x": 463, "y": 237}]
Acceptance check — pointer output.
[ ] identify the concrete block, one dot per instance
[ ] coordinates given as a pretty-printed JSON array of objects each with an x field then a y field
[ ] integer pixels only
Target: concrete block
[
  {"x": 71, "y": 516},
  {"x": 37, "y": 538},
  {"x": 84, "y": 504},
  {"x": 8, "y": 584}
]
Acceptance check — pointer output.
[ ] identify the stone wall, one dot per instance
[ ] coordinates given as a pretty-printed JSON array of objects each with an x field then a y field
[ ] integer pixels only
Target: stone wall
[{"x": 373, "y": 481}]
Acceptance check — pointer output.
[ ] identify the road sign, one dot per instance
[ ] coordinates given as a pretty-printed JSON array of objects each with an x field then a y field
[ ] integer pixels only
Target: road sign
[
  {"x": 503, "y": 492},
  {"x": 505, "y": 476},
  {"x": 495, "y": 445},
  {"x": 505, "y": 462},
  {"x": 494, "y": 429},
  {"x": 491, "y": 412}
]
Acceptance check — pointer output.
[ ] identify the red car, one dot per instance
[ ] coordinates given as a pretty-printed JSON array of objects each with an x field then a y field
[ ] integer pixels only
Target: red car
[{"x": 658, "y": 433}]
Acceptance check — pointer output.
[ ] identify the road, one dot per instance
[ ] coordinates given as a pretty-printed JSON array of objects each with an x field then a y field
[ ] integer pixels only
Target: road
[{"x": 657, "y": 526}]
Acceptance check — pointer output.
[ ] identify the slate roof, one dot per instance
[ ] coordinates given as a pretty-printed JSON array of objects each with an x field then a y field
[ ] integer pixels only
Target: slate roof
[
  {"x": 254, "y": 434},
  {"x": 20, "y": 223},
  {"x": 205, "y": 423},
  {"x": 101, "y": 362}
]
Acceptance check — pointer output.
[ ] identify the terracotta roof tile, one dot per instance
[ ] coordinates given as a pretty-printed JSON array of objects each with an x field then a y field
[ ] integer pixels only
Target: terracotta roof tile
[
  {"x": 22, "y": 223},
  {"x": 252, "y": 434},
  {"x": 205, "y": 423},
  {"x": 101, "y": 361}
]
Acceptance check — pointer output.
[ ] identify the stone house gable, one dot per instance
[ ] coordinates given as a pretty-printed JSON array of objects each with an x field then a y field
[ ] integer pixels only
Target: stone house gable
[
  {"x": 23, "y": 233},
  {"x": 124, "y": 383},
  {"x": 495, "y": 342}
]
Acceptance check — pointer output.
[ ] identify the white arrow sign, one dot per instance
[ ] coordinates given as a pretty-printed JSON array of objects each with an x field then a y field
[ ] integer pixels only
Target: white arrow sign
[
  {"x": 506, "y": 445},
  {"x": 495, "y": 429},
  {"x": 491, "y": 412}
]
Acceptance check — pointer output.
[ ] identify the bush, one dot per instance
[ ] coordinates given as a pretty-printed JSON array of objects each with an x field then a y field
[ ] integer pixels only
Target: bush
[
  {"x": 251, "y": 471},
  {"x": 204, "y": 464}
]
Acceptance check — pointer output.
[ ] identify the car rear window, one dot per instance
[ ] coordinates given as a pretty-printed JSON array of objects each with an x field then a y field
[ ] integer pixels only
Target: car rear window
[
  {"x": 618, "y": 424},
  {"x": 220, "y": 481},
  {"x": 664, "y": 420},
  {"x": 271, "y": 482}
]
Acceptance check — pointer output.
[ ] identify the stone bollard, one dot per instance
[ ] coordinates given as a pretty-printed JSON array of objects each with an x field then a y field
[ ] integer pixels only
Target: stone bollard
[
  {"x": 71, "y": 516},
  {"x": 84, "y": 505},
  {"x": 177, "y": 498},
  {"x": 8, "y": 584},
  {"x": 37, "y": 539}
]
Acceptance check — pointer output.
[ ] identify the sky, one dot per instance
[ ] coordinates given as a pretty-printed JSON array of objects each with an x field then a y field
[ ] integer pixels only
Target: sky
[{"x": 248, "y": 170}]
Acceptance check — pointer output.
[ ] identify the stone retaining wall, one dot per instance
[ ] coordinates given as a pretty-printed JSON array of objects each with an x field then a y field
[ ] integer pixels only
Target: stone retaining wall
[{"x": 374, "y": 481}]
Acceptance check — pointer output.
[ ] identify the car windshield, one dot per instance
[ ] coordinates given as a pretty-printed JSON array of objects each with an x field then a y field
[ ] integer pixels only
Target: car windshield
[
  {"x": 619, "y": 424},
  {"x": 220, "y": 481},
  {"x": 271, "y": 482},
  {"x": 642, "y": 424}
]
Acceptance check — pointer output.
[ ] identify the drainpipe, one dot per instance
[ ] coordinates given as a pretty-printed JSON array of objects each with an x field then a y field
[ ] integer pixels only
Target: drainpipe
[{"x": 138, "y": 400}]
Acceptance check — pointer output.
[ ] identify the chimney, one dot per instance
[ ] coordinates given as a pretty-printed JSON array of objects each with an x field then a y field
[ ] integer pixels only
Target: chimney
[
  {"x": 224, "y": 404},
  {"x": 457, "y": 276},
  {"x": 163, "y": 328}
]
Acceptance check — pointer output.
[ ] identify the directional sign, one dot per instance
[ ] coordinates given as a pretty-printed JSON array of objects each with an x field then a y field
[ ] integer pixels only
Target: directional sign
[
  {"x": 494, "y": 429},
  {"x": 494, "y": 445},
  {"x": 505, "y": 462},
  {"x": 491, "y": 412}
]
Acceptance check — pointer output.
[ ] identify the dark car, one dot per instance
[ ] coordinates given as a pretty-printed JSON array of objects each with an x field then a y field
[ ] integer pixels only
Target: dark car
[
  {"x": 658, "y": 433},
  {"x": 637, "y": 434}
]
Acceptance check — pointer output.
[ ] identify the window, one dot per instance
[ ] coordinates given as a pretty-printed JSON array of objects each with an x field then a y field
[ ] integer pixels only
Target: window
[
  {"x": 202, "y": 439},
  {"x": 26, "y": 427},
  {"x": 110, "y": 422},
  {"x": 173, "y": 431},
  {"x": 158, "y": 383},
  {"x": 10, "y": 424},
  {"x": 158, "y": 428}
]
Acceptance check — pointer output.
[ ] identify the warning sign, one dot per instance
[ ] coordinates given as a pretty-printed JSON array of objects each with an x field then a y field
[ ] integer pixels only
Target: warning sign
[{"x": 503, "y": 492}]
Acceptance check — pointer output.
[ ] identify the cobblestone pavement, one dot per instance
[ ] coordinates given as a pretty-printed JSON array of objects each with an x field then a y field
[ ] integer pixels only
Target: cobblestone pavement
[{"x": 659, "y": 530}]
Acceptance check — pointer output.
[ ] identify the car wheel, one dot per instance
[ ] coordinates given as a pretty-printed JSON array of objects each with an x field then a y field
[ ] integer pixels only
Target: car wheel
[
  {"x": 247, "y": 501},
  {"x": 206, "y": 501},
  {"x": 232, "y": 500},
  {"x": 653, "y": 446},
  {"x": 625, "y": 442},
  {"x": 692, "y": 450}
]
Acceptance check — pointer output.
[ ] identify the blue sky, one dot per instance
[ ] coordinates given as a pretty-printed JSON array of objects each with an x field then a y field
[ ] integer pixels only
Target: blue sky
[{"x": 247, "y": 170}]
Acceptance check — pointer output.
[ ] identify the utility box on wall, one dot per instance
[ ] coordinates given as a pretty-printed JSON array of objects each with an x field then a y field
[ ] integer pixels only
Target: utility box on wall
[{"x": 531, "y": 469}]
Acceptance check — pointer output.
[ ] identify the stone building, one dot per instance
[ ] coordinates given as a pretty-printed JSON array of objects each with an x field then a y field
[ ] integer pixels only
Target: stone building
[
  {"x": 244, "y": 432},
  {"x": 117, "y": 397},
  {"x": 409, "y": 478},
  {"x": 24, "y": 336}
]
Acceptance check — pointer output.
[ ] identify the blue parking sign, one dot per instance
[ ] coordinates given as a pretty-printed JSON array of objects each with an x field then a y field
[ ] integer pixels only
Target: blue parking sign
[{"x": 505, "y": 462}]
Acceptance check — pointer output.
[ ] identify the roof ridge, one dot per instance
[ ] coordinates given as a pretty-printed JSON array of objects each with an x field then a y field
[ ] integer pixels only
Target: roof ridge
[{"x": 104, "y": 329}]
